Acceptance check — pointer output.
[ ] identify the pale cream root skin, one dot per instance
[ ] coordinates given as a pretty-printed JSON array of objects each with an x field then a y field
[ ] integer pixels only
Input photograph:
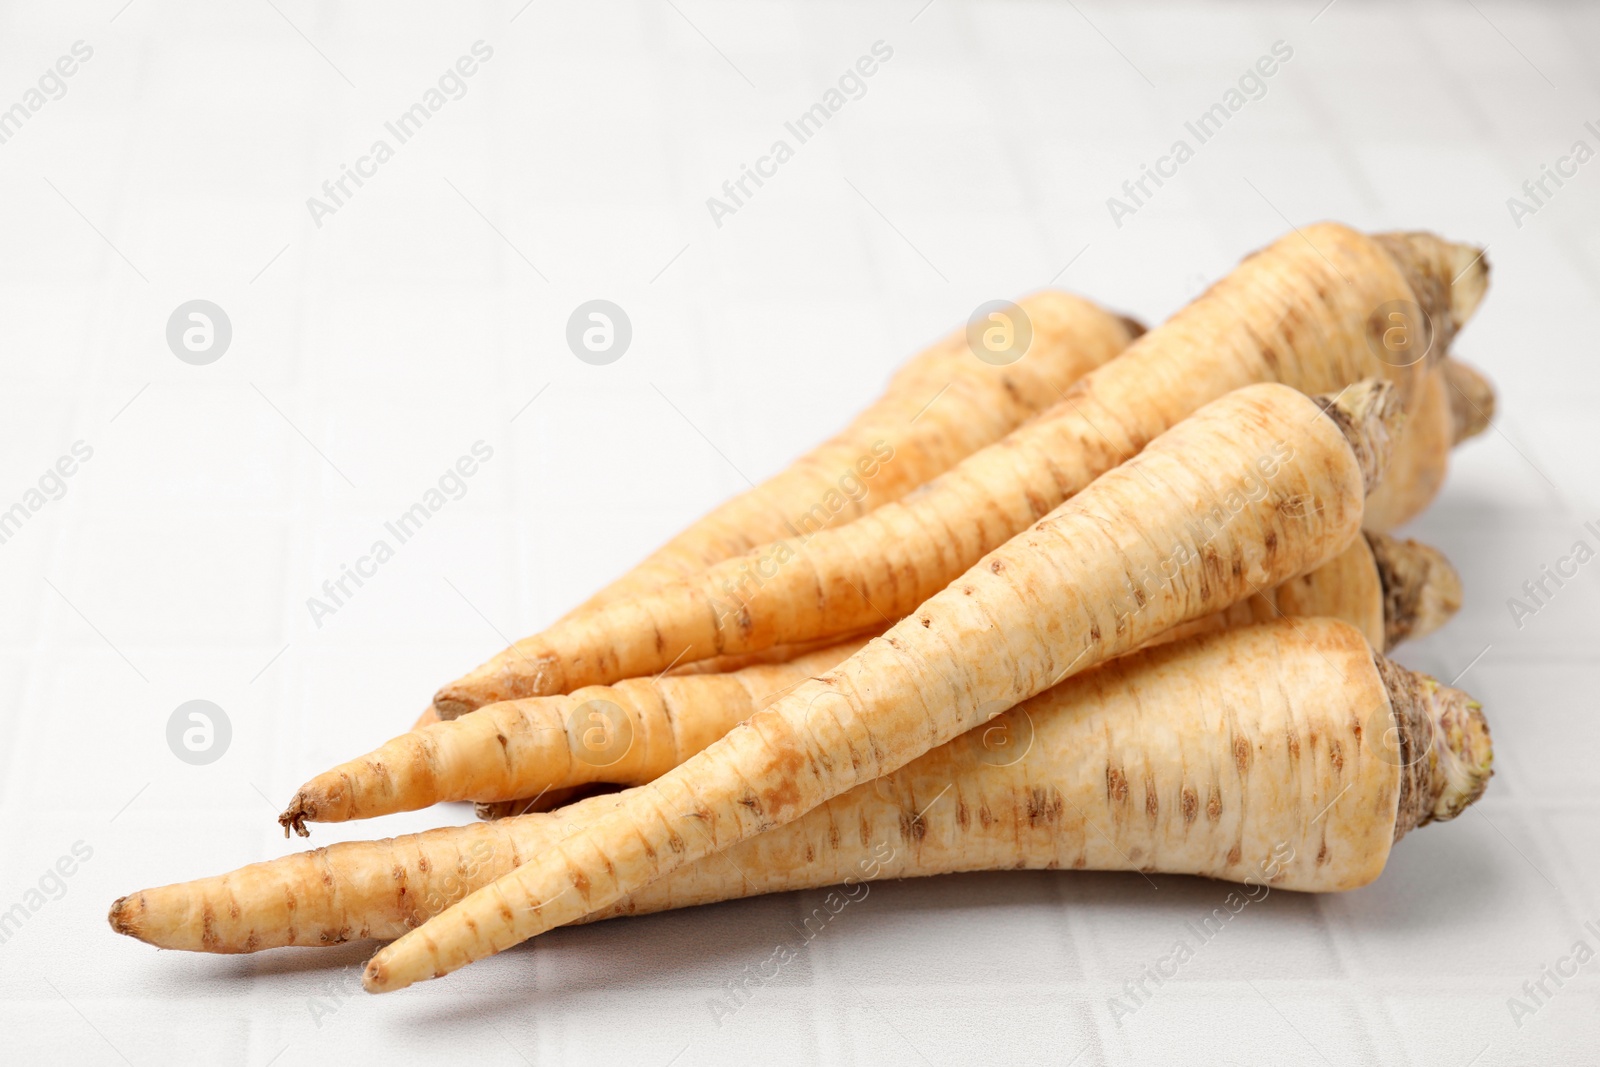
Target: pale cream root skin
[
  {"x": 1390, "y": 590},
  {"x": 1347, "y": 587},
  {"x": 1472, "y": 399},
  {"x": 633, "y": 731},
  {"x": 1048, "y": 604},
  {"x": 507, "y": 756},
  {"x": 1261, "y": 754},
  {"x": 775, "y": 654},
  {"x": 1299, "y": 312},
  {"x": 1456, "y": 403},
  {"x": 978, "y": 404},
  {"x": 1421, "y": 460},
  {"x": 1071, "y": 337},
  {"x": 1205, "y": 757},
  {"x": 352, "y": 891}
]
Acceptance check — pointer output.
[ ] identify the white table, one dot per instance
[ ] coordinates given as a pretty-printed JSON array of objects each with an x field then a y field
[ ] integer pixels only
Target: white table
[{"x": 374, "y": 344}]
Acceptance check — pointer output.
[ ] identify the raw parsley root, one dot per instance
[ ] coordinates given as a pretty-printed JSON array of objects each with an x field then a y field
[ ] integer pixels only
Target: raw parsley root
[
  {"x": 637, "y": 730},
  {"x": 1390, "y": 590},
  {"x": 1303, "y": 311},
  {"x": 1252, "y": 489},
  {"x": 630, "y": 732},
  {"x": 1454, "y": 405},
  {"x": 1290, "y": 754},
  {"x": 1472, "y": 399},
  {"x": 941, "y": 406}
]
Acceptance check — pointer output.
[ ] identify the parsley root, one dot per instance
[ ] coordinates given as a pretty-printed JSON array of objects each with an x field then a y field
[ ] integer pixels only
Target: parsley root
[
  {"x": 1289, "y": 754},
  {"x": 513, "y": 752},
  {"x": 941, "y": 406},
  {"x": 1455, "y": 403},
  {"x": 1252, "y": 489},
  {"x": 1302, "y": 312}
]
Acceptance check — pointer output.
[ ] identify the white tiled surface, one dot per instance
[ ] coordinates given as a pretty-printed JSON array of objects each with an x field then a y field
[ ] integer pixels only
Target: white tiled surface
[{"x": 178, "y": 563}]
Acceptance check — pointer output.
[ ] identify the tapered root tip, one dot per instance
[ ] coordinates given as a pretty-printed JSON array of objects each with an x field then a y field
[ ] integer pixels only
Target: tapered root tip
[
  {"x": 494, "y": 810},
  {"x": 296, "y": 815},
  {"x": 124, "y": 916},
  {"x": 377, "y": 978},
  {"x": 1443, "y": 747},
  {"x": 131, "y": 916},
  {"x": 1370, "y": 415},
  {"x": 1421, "y": 589},
  {"x": 448, "y": 707},
  {"x": 526, "y": 669},
  {"x": 1472, "y": 400},
  {"x": 545, "y": 801}
]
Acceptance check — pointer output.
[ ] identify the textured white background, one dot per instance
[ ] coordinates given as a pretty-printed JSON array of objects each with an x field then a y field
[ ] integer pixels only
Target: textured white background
[{"x": 370, "y": 353}]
